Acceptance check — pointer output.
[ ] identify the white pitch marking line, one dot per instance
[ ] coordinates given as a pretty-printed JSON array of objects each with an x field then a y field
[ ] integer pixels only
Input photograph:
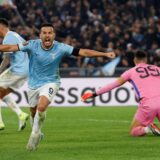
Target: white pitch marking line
[{"x": 107, "y": 120}]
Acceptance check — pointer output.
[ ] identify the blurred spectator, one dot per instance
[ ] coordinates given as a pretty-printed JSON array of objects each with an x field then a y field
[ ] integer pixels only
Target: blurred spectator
[{"x": 100, "y": 25}]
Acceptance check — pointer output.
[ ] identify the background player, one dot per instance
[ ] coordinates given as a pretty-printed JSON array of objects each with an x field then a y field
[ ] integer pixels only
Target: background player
[
  {"x": 145, "y": 79},
  {"x": 13, "y": 77}
]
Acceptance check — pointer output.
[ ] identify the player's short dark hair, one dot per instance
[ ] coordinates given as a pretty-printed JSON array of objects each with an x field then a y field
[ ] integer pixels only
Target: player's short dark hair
[
  {"x": 4, "y": 22},
  {"x": 140, "y": 54},
  {"x": 47, "y": 25}
]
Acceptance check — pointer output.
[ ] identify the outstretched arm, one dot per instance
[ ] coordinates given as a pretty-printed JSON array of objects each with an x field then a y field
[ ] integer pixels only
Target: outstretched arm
[
  {"x": 110, "y": 86},
  {"x": 92, "y": 53},
  {"x": 9, "y": 48},
  {"x": 104, "y": 89}
]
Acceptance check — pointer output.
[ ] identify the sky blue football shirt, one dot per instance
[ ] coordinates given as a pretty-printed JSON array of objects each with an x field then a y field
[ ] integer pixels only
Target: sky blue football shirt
[
  {"x": 44, "y": 64},
  {"x": 19, "y": 61}
]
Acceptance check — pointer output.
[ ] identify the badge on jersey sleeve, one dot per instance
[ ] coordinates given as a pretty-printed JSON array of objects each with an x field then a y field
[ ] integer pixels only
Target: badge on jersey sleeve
[{"x": 25, "y": 43}]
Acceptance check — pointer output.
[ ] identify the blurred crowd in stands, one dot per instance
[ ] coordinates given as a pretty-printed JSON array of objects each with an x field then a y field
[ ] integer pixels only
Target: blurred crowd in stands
[{"x": 103, "y": 25}]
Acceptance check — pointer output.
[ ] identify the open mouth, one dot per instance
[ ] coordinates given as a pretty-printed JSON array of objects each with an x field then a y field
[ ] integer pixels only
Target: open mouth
[{"x": 47, "y": 41}]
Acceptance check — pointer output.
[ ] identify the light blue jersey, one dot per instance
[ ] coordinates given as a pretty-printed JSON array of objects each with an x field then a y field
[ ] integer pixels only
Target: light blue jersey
[
  {"x": 19, "y": 62},
  {"x": 44, "y": 64}
]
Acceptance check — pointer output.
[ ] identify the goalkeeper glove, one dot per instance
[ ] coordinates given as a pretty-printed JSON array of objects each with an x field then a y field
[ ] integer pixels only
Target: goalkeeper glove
[{"x": 88, "y": 95}]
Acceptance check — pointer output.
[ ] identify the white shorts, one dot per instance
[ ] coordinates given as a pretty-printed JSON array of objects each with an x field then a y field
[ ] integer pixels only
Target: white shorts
[
  {"x": 11, "y": 80},
  {"x": 49, "y": 90}
]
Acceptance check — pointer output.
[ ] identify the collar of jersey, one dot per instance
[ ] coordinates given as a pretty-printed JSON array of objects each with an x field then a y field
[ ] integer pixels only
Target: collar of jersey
[
  {"x": 141, "y": 63},
  {"x": 7, "y": 33},
  {"x": 49, "y": 48}
]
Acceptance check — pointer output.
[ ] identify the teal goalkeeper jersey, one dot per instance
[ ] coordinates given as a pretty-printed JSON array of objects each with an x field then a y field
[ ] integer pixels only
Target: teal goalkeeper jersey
[
  {"x": 19, "y": 61},
  {"x": 44, "y": 64}
]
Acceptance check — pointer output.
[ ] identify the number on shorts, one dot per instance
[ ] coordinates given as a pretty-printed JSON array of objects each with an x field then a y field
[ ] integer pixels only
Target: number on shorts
[{"x": 51, "y": 90}]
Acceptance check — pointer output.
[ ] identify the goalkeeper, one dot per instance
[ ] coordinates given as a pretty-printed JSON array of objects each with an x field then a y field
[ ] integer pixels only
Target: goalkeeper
[{"x": 145, "y": 79}]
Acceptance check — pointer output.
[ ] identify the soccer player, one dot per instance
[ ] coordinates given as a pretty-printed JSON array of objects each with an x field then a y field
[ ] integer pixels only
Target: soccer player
[
  {"x": 44, "y": 79},
  {"x": 145, "y": 79},
  {"x": 14, "y": 76}
]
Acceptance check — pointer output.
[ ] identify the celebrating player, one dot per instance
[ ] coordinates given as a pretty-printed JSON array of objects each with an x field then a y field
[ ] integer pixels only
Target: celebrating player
[
  {"x": 145, "y": 79},
  {"x": 44, "y": 80},
  {"x": 13, "y": 77}
]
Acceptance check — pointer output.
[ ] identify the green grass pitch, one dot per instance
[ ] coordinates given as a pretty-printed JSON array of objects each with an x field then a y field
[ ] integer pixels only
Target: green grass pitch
[{"x": 95, "y": 133}]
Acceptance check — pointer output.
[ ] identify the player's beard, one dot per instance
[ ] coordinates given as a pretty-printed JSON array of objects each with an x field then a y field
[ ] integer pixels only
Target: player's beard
[{"x": 47, "y": 44}]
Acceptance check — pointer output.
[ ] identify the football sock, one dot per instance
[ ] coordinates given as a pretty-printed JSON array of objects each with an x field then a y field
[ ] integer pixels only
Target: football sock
[
  {"x": 12, "y": 104},
  {"x": 138, "y": 131},
  {"x": 31, "y": 121},
  {"x": 38, "y": 121},
  {"x": 1, "y": 121},
  {"x": 147, "y": 130}
]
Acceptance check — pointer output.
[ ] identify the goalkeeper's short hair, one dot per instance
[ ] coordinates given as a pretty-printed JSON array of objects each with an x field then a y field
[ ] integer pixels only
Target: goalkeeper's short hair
[{"x": 140, "y": 54}]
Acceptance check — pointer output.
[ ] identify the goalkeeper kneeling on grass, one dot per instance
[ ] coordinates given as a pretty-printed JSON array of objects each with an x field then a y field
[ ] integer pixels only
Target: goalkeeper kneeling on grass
[{"x": 145, "y": 79}]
